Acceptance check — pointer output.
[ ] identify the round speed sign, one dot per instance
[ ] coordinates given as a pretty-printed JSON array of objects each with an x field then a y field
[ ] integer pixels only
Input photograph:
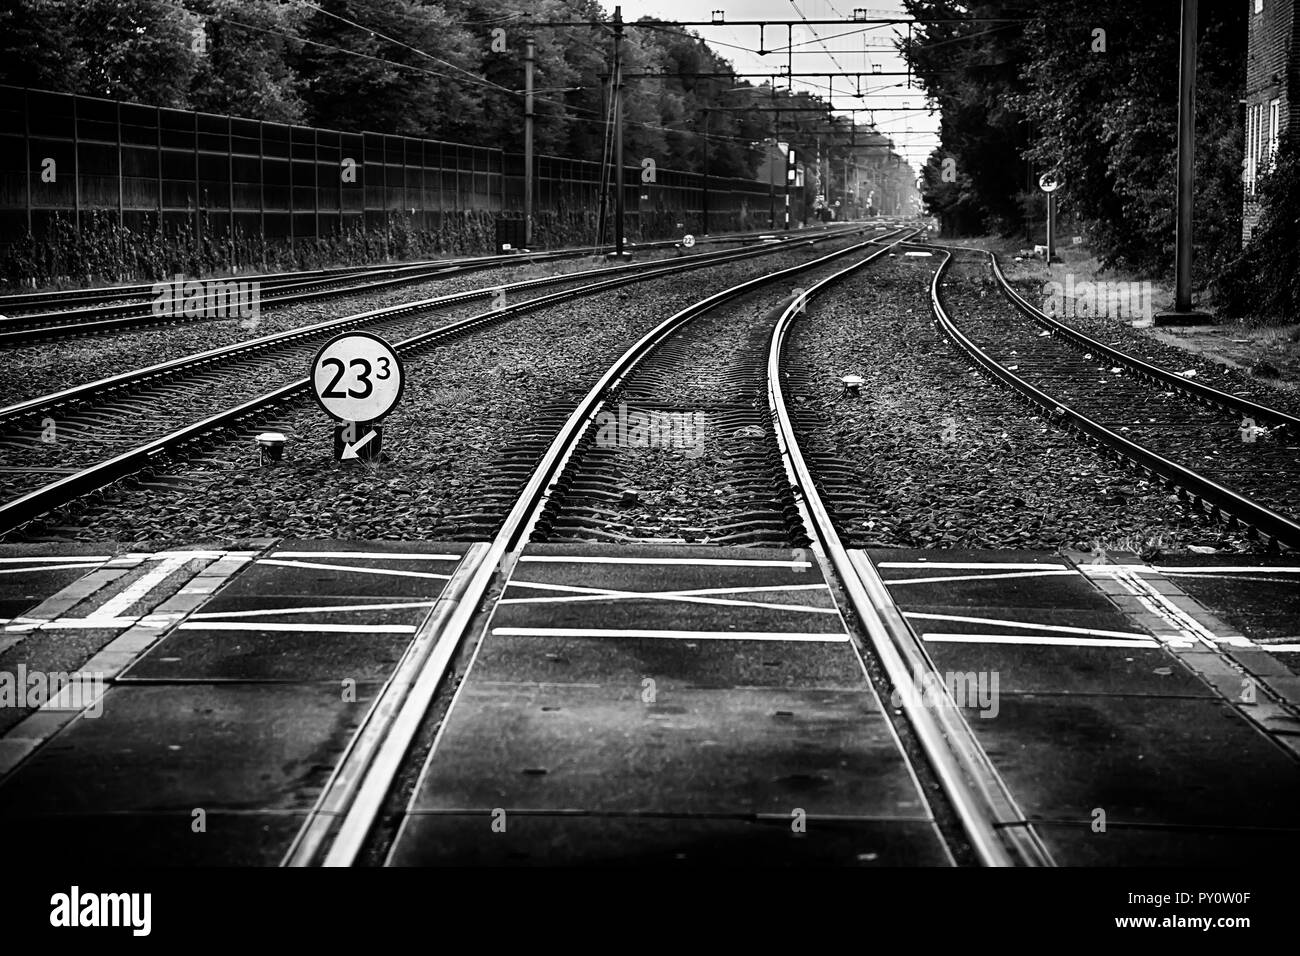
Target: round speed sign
[
  {"x": 1048, "y": 183},
  {"x": 688, "y": 240},
  {"x": 357, "y": 377}
]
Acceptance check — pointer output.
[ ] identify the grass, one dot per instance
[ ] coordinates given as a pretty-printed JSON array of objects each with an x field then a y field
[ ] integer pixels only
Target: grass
[{"x": 103, "y": 252}]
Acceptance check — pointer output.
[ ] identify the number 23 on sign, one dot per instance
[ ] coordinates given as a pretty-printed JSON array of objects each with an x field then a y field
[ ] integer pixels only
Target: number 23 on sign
[{"x": 357, "y": 377}]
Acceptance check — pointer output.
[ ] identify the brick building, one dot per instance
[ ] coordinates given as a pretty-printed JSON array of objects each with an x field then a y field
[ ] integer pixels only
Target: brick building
[{"x": 1272, "y": 93}]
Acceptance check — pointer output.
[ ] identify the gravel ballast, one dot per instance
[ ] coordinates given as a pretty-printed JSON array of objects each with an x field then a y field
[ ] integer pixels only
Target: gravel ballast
[
  {"x": 1162, "y": 418},
  {"x": 45, "y": 367},
  {"x": 946, "y": 457},
  {"x": 464, "y": 402}
]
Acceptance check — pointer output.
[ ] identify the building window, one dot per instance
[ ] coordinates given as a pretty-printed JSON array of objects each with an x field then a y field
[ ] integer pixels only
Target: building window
[
  {"x": 1274, "y": 115},
  {"x": 1252, "y": 114}
]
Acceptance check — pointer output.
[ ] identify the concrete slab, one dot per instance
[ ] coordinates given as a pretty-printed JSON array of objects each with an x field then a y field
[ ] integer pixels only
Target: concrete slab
[
  {"x": 681, "y": 614},
  {"x": 704, "y": 707},
  {"x": 1143, "y": 760},
  {"x": 31, "y": 573},
  {"x": 546, "y": 840},
  {"x": 355, "y": 572},
  {"x": 1078, "y": 845},
  {"x": 207, "y": 655},
  {"x": 287, "y": 608},
  {"x": 169, "y": 748},
  {"x": 153, "y": 839},
  {"x": 1264, "y": 605},
  {"x": 565, "y": 747},
  {"x": 669, "y": 567},
  {"x": 671, "y": 664},
  {"x": 1013, "y": 579},
  {"x": 1025, "y": 669}
]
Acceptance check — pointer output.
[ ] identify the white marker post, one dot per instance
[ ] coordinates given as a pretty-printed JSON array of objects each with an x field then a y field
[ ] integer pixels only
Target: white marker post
[
  {"x": 1049, "y": 184},
  {"x": 357, "y": 378}
]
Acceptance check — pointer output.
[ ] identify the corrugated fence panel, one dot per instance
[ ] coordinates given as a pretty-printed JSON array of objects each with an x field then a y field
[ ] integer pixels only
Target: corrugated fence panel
[{"x": 63, "y": 154}]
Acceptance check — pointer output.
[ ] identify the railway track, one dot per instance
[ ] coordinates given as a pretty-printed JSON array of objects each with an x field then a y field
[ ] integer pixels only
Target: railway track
[
  {"x": 98, "y": 426},
  {"x": 23, "y": 302},
  {"x": 564, "y": 490},
  {"x": 109, "y": 310},
  {"x": 724, "y": 359},
  {"x": 1177, "y": 432}
]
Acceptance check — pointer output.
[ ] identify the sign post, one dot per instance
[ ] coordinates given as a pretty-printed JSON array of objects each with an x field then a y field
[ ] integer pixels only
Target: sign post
[
  {"x": 357, "y": 379},
  {"x": 1049, "y": 184}
]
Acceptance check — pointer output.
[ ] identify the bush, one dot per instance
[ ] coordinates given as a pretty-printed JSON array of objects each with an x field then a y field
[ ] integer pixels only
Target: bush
[{"x": 1262, "y": 284}]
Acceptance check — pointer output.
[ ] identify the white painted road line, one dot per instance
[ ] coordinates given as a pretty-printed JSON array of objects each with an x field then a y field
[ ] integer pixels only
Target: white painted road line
[
  {"x": 141, "y": 586},
  {"x": 304, "y": 627},
  {"x": 685, "y": 562},
  {"x": 979, "y": 577},
  {"x": 364, "y": 555},
  {"x": 1046, "y": 640},
  {"x": 51, "y": 567},
  {"x": 57, "y": 559},
  {"x": 392, "y": 572},
  {"x": 323, "y": 609},
  {"x": 1231, "y": 569},
  {"x": 698, "y": 596},
  {"x": 1026, "y": 625},
  {"x": 832, "y": 637},
  {"x": 972, "y": 565}
]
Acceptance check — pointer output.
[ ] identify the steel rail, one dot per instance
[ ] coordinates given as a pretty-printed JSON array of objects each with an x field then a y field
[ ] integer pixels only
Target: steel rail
[
  {"x": 1162, "y": 376},
  {"x": 28, "y": 507},
  {"x": 1278, "y": 527},
  {"x": 17, "y": 330},
  {"x": 20, "y": 330},
  {"x": 370, "y": 785},
  {"x": 91, "y": 390},
  {"x": 992, "y": 821},
  {"x": 64, "y": 297}
]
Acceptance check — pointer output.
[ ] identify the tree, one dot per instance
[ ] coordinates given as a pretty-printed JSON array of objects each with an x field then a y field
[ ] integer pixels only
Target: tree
[
  {"x": 245, "y": 69},
  {"x": 972, "y": 71},
  {"x": 1101, "y": 96},
  {"x": 120, "y": 49},
  {"x": 395, "y": 66}
]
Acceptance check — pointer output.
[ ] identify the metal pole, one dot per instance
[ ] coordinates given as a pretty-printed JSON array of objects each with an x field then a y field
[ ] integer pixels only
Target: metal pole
[
  {"x": 1051, "y": 227},
  {"x": 315, "y": 178},
  {"x": 27, "y": 145},
  {"x": 529, "y": 53},
  {"x": 789, "y": 174},
  {"x": 704, "y": 210},
  {"x": 771, "y": 174},
  {"x": 618, "y": 132},
  {"x": 292, "y": 244},
  {"x": 198, "y": 220},
  {"x": 121, "y": 175},
  {"x": 230, "y": 183},
  {"x": 1186, "y": 166},
  {"x": 261, "y": 189}
]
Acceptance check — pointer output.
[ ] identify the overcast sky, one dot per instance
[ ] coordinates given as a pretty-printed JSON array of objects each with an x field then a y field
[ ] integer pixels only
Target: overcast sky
[{"x": 819, "y": 47}]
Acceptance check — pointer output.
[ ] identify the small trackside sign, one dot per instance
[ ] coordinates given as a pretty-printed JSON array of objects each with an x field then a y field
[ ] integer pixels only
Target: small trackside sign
[{"x": 357, "y": 379}]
